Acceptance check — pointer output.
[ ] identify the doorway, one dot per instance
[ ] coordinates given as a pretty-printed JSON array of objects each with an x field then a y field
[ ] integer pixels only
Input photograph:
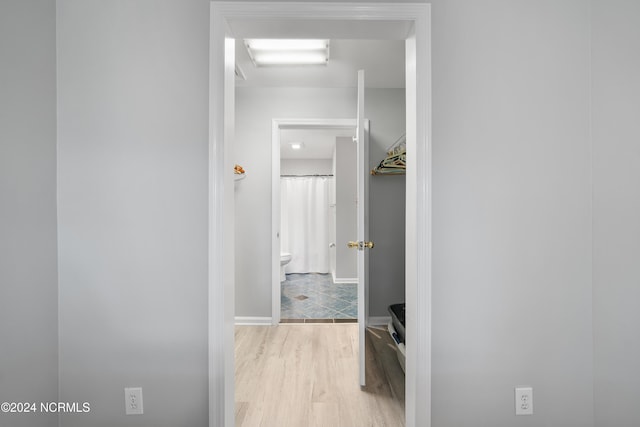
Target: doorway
[
  {"x": 345, "y": 19},
  {"x": 344, "y": 306}
]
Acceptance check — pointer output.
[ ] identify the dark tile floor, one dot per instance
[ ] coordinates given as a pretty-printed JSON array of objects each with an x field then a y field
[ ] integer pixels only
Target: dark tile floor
[{"x": 314, "y": 297}]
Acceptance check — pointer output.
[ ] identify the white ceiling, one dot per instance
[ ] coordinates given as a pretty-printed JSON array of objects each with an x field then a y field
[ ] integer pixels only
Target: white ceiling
[
  {"x": 377, "y": 47},
  {"x": 383, "y": 61}
]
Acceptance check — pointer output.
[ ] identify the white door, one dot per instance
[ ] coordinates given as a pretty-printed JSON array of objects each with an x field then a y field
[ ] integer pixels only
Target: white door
[{"x": 363, "y": 244}]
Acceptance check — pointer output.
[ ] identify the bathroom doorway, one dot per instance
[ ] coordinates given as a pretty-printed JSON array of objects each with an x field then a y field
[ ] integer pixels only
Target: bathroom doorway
[{"x": 317, "y": 209}]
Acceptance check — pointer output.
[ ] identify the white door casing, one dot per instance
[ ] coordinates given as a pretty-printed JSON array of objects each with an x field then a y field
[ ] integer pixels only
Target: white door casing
[
  {"x": 362, "y": 227},
  {"x": 418, "y": 220}
]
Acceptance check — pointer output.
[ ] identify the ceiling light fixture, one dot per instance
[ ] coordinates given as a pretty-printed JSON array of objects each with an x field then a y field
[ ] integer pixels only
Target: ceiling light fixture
[
  {"x": 297, "y": 145},
  {"x": 265, "y": 52}
]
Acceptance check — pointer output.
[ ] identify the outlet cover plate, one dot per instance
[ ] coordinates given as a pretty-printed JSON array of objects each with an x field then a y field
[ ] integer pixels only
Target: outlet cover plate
[
  {"x": 524, "y": 400},
  {"x": 133, "y": 401}
]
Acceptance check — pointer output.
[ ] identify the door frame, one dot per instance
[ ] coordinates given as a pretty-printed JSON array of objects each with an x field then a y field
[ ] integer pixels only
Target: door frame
[
  {"x": 276, "y": 126},
  {"x": 221, "y": 301}
]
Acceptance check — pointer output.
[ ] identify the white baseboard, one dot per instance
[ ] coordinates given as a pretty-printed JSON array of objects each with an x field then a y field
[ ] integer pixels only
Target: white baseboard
[
  {"x": 251, "y": 321},
  {"x": 379, "y": 320},
  {"x": 353, "y": 280},
  {"x": 342, "y": 280}
]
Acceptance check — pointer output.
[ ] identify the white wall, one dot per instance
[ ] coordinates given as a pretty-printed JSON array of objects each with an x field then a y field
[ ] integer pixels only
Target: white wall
[
  {"x": 28, "y": 260},
  {"x": 616, "y": 210},
  {"x": 346, "y": 176},
  {"x": 306, "y": 167},
  {"x": 512, "y": 231},
  {"x": 255, "y": 108},
  {"x": 132, "y": 194}
]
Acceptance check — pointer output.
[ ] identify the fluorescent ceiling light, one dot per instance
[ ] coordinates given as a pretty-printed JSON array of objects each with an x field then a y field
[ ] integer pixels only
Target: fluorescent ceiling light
[
  {"x": 290, "y": 58},
  {"x": 286, "y": 44},
  {"x": 288, "y": 51},
  {"x": 297, "y": 145}
]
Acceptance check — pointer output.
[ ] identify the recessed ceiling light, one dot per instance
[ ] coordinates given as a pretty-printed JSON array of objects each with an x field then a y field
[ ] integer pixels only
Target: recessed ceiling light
[
  {"x": 297, "y": 145},
  {"x": 288, "y": 51}
]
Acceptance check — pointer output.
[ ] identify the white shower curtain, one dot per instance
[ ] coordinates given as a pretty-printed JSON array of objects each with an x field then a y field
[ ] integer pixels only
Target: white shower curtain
[{"x": 304, "y": 223}]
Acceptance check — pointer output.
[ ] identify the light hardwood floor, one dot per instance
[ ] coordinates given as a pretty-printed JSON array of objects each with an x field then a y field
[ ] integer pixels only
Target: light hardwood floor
[{"x": 305, "y": 375}]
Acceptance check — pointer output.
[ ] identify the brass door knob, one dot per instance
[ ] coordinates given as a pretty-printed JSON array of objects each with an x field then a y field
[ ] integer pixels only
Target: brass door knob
[{"x": 360, "y": 245}]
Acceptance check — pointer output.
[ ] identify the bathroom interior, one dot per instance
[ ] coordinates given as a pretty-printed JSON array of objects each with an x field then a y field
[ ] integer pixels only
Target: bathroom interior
[
  {"x": 317, "y": 218},
  {"x": 321, "y": 285}
]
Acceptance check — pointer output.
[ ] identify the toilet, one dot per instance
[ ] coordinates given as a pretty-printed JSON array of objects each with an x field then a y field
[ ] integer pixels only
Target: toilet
[{"x": 284, "y": 260}]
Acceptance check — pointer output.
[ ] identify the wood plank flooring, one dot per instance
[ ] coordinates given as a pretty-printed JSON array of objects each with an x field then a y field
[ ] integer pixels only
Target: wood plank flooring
[{"x": 306, "y": 375}]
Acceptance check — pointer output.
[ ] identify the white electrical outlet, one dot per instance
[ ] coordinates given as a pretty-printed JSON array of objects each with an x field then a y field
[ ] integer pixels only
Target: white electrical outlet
[
  {"x": 524, "y": 401},
  {"x": 133, "y": 401}
]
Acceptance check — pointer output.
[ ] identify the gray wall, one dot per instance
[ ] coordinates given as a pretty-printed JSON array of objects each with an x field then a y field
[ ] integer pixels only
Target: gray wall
[
  {"x": 616, "y": 211},
  {"x": 346, "y": 192},
  {"x": 255, "y": 108},
  {"x": 386, "y": 203},
  {"x": 132, "y": 194},
  {"x": 28, "y": 263},
  {"x": 512, "y": 295}
]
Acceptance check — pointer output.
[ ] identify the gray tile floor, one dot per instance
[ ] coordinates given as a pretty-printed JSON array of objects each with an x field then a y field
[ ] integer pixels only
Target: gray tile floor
[{"x": 315, "y": 296}]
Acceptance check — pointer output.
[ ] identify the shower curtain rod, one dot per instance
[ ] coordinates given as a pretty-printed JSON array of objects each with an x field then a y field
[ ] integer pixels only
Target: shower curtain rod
[{"x": 297, "y": 176}]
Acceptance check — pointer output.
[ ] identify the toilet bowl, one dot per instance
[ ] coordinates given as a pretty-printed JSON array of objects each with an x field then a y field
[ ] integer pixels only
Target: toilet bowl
[{"x": 284, "y": 260}]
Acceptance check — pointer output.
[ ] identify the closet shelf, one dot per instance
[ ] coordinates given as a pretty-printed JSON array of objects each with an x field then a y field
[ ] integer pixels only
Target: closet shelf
[{"x": 396, "y": 161}]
